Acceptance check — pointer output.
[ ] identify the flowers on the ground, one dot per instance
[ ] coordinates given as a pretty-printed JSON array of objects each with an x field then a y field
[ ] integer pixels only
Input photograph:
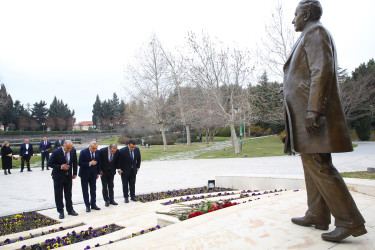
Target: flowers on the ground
[
  {"x": 176, "y": 193},
  {"x": 9, "y": 241},
  {"x": 74, "y": 237},
  {"x": 187, "y": 211},
  {"x": 23, "y": 222},
  {"x": 151, "y": 229}
]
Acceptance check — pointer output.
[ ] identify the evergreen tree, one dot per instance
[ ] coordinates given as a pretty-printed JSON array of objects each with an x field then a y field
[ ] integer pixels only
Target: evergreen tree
[
  {"x": 39, "y": 112},
  {"x": 97, "y": 117}
]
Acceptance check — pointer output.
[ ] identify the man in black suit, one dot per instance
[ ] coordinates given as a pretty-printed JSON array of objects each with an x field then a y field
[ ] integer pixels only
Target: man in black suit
[
  {"x": 89, "y": 171},
  {"x": 59, "y": 142},
  {"x": 108, "y": 164},
  {"x": 64, "y": 169},
  {"x": 128, "y": 164},
  {"x": 26, "y": 152}
]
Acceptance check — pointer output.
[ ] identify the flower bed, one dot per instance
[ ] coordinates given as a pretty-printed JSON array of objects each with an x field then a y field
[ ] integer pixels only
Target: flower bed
[
  {"x": 9, "y": 241},
  {"x": 22, "y": 222},
  {"x": 181, "y": 192},
  {"x": 128, "y": 237},
  {"x": 73, "y": 237}
]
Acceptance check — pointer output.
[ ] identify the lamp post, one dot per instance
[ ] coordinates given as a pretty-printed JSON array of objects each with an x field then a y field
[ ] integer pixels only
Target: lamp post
[
  {"x": 43, "y": 124},
  {"x": 111, "y": 125},
  {"x": 94, "y": 132}
]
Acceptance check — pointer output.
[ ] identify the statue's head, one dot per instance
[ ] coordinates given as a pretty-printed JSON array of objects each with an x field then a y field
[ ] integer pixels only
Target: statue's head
[{"x": 307, "y": 11}]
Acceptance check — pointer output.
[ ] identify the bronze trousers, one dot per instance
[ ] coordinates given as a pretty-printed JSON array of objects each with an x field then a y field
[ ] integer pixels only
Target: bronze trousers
[{"x": 327, "y": 193}]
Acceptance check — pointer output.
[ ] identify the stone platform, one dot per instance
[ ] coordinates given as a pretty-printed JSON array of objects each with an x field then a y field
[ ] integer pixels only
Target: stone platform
[{"x": 259, "y": 224}]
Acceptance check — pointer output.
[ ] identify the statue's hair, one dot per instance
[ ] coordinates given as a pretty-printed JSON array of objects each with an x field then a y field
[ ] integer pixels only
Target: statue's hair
[{"x": 314, "y": 7}]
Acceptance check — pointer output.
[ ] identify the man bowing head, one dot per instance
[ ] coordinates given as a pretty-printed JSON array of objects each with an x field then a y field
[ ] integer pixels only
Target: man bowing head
[
  {"x": 64, "y": 164},
  {"x": 129, "y": 163},
  {"x": 89, "y": 171}
]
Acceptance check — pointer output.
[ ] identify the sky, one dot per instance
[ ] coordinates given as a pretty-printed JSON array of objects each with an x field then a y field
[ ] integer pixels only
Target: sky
[{"x": 76, "y": 49}]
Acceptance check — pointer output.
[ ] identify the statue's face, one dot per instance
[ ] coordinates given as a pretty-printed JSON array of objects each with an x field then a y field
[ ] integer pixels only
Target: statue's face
[{"x": 299, "y": 23}]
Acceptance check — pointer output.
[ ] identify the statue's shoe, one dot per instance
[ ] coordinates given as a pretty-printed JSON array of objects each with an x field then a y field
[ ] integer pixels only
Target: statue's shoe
[
  {"x": 307, "y": 221},
  {"x": 341, "y": 233}
]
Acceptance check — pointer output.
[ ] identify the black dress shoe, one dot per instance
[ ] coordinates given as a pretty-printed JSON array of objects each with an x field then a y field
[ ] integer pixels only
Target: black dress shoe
[
  {"x": 126, "y": 200},
  {"x": 106, "y": 204},
  {"x": 42, "y": 169},
  {"x": 88, "y": 209},
  {"x": 47, "y": 168},
  {"x": 61, "y": 216},
  {"x": 134, "y": 199},
  {"x": 341, "y": 233},
  {"x": 113, "y": 202},
  {"x": 308, "y": 221},
  {"x": 95, "y": 207},
  {"x": 29, "y": 170},
  {"x": 74, "y": 213}
]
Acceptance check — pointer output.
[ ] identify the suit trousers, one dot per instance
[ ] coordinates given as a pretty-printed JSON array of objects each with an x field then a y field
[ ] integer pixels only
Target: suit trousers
[
  {"x": 107, "y": 186},
  {"x": 85, "y": 184},
  {"x": 128, "y": 180},
  {"x": 45, "y": 155},
  {"x": 327, "y": 193},
  {"x": 63, "y": 185},
  {"x": 27, "y": 159}
]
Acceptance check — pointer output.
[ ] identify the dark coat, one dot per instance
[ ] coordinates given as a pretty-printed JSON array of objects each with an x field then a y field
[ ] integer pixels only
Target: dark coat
[
  {"x": 85, "y": 170},
  {"x": 23, "y": 149},
  {"x": 311, "y": 84},
  {"x": 5, "y": 159},
  {"x": 58, "y": 158},
  {"x": 126, "y": 164},
  {"x": 58, "y": 144},
  {"x": 105, "y": 165},
  {"x": 43, "y": 147}
]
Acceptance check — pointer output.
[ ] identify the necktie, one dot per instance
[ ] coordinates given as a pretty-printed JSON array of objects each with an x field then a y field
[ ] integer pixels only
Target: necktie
[
  {"x": 131, "y": 155},
  {"x": 66, "y": 158},
  {"x": 111, "y": 158},
  {"x": 45, "y": 143},
  {"x": 92, "y": 156}
]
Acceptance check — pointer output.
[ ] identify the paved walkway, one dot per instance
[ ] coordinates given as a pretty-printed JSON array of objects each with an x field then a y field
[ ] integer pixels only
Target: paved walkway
[
  {"x": 261, "y": 224},
  {"x": 29, "y": 191}
]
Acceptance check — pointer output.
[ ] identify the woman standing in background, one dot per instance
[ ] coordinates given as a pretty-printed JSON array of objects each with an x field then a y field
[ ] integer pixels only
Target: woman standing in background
[{"x": 6, "y": 157}]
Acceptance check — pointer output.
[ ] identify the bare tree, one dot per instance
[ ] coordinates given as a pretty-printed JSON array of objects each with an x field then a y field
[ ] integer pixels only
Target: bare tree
[
  {"x": 223, "y": 72},
  {"x": 176, "y": 71},
  {"x": 147, "y": 81},
  {"x": 357, "y": 95},
  {"x": 277, "y": 43}
]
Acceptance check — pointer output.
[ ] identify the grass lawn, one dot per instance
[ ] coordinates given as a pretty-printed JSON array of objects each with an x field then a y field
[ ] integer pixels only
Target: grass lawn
[
  {"x": 109, "y": 141},
  {"x": 35, "y": 161},
  {"x": 359, "y": 175},
  {"x": 156, "y": 151},
  {"x": 268, "y": 146}
]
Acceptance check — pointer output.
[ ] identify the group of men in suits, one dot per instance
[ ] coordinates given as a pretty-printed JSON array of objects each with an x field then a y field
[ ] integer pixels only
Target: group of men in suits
[{"x": 93, "y": 163}]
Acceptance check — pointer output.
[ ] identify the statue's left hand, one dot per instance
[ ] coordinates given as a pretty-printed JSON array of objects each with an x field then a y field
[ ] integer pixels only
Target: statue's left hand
[{"x": 312, "y": 119}]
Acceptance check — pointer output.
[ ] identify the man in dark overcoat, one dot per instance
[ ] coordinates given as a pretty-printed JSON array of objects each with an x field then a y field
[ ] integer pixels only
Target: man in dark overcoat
[
  {"x": 128, "y": 166},
  {"x": 316, "y": 126},
  {"x": 108, "y": 164},
  {"x": 64, "y": 170}
]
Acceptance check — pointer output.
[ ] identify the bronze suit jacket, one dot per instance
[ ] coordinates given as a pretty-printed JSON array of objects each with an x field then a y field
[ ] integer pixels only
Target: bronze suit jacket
[{"x": 311, "y": 84}]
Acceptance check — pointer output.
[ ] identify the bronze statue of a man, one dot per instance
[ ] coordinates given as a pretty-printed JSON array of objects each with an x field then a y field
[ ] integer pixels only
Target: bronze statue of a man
[{"x": 316, "y": 127}]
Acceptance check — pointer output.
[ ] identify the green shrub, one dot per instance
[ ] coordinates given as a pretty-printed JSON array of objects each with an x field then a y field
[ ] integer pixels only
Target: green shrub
[
  {"x": 16, "y": 150},
  {"x": 363, "y": 128},
  {"x": 257, "y": 131},
  {"x": 158, "y": 140}
]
